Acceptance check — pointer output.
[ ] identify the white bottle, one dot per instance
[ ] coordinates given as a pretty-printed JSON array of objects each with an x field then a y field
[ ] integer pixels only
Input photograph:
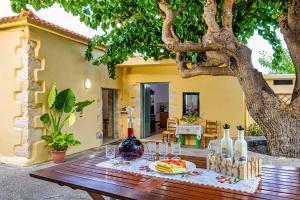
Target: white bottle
[
  {"x": 227, "y": 144},
  {"x": 241, "y": 147}
]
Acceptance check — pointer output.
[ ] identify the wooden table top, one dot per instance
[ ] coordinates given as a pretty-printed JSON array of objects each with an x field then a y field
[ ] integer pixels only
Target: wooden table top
[{"x": 277, "y": 182}]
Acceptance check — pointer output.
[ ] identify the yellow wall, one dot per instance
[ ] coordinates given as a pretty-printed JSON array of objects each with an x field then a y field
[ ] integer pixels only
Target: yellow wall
[
  {"x": 221, "y": 98},
  {"x": 9, "y": 63},
  {"x": 32, "y": 59},
  {"x": 65, "y": 65}
]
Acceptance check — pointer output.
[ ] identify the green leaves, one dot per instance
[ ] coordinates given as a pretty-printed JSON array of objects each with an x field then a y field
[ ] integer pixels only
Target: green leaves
[
  {"x": 45, "y": 118},
  {"x": 72, "y": 119},
  {"x": 65, "y": 101},
  {"x": 280, "y": 64},
  {"x": 61, "y": 142},
  {"x": 52, "y": 96},
  {"x": 81, "y": 105}
]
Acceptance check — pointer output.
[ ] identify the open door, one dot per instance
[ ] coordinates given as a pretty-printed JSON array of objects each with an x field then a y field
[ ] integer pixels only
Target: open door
[
  {"x": 155, "y": 108},
  {"x": 146, "y": 103},
  {"x": 109, "y": 102}
]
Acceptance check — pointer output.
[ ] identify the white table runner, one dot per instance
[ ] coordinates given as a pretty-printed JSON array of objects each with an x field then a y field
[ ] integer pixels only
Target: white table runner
[
  {"x": 189, "y": 130},
  {"x": 206, "y": 177}
]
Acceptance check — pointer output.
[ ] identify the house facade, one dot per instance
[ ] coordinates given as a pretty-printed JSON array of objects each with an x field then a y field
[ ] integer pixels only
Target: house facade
[{"x": 35, "y": 54}]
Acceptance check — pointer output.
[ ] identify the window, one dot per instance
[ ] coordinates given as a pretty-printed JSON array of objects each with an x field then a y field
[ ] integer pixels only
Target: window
[
  {"x": 283, "y": 82},
  {"x": 190, "y": 103}
]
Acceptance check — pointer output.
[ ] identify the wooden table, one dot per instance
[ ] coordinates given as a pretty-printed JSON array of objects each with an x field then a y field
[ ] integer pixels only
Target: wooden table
[{"x": 277, "y": 182}]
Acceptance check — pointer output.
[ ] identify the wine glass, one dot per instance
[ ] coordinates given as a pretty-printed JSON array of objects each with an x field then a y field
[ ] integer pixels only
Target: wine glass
[
  {"x": 176, "y": 150},
  {"x": 152, "y": 149},
  {"x": 163, "y": 149},
  {"x": 110, "y": 151},
  {"x": 211, "y": 149}
]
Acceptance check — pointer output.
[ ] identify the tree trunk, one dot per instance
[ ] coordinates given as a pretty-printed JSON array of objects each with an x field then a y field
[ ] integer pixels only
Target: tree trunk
[{"x": 278, "y": 120}]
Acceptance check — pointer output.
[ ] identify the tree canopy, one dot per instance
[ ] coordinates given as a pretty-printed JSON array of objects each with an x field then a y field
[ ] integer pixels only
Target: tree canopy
[
  {"x": 134, "y": 26},
  {"x": 285, "y": 66}
]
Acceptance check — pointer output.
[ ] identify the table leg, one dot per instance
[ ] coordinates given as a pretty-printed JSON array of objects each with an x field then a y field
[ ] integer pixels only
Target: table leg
[
  {"x": 197, "y": 146},
  {"x": 181, "y": 139},
  {"x": 96, "y": 196}
]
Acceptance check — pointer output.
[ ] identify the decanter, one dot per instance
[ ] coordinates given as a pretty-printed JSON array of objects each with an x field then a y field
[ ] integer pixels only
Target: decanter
[{"x": 131, "y": 148}]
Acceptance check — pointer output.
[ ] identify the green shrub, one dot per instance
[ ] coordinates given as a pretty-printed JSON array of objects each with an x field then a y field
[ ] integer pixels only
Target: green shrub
[{"x": 254, "y": 130}]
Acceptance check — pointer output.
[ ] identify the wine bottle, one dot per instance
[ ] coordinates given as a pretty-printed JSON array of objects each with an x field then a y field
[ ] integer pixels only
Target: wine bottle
[
  {"x": 241, "y": 147},
  {"x": 226, "y": 143},
  {"x": 131, "y": 148}
]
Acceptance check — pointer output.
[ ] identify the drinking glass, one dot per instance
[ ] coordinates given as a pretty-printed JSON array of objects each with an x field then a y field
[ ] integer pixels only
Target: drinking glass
[
  {"x": 176, "y": 150},
  {"x": 152, "y": 149},
  {"x": 110, "y": 151},
  {"x": 163, "y": 149},
  {"x": 211, "y": 149}
]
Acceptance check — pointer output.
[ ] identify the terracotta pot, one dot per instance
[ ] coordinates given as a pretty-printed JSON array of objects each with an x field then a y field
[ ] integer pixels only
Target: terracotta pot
[{"x": 58, "y": 156}]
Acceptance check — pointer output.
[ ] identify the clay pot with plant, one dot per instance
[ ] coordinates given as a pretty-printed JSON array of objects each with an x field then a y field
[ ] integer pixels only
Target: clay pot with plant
[{"x": 62, "y": 109}]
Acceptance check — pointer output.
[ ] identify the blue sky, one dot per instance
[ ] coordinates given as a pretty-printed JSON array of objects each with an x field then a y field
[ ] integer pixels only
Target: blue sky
[{"x": 58, "y": 16}]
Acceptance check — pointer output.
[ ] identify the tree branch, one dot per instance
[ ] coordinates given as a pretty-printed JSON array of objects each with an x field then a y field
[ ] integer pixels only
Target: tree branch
[
  {"x": 168, "y": 31},
  {"x": 227, "y": 16},
  {"x": 169, "y": 36},
  {"x": 210, "y": 13},
  {"x": 290, "y": 28},
  {"x": 201, "y": 68}
]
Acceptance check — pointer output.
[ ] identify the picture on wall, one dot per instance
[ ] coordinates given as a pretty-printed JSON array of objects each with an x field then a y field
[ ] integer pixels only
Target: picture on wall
[{"x": 190, "y": 103}]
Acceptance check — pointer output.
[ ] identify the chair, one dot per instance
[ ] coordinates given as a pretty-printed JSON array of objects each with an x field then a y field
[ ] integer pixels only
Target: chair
[
  {"x": 210, "y": 131},
  {"x": 171, "y": 129}
]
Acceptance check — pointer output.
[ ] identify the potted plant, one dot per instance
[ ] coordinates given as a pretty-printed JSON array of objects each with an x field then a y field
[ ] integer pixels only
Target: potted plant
[
  {"x": 61, "y": 111},
  {"x": 191, "y": 119}
]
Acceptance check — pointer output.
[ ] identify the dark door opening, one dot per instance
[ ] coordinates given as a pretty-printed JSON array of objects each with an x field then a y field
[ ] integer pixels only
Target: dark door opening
[
  {"x": 109, "y": 97},
  {"x": 155, "y": 108}
]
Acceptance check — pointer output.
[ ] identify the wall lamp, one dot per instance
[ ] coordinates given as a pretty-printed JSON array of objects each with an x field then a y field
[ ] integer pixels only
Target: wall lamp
[{"x": 87, "y": 83}]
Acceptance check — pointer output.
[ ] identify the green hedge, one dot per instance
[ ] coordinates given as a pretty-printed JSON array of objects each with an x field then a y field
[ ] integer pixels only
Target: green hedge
[{"x": 254, "y": 130}]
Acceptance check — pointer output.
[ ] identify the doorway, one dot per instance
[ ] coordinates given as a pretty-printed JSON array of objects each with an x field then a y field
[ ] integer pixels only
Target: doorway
[
  {"x": 155, "y": 108},
  {"x": 109, "y": 98}
]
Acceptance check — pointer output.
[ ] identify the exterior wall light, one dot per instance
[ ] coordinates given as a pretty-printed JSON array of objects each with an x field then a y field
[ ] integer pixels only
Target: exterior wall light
[{"x": 87, "y": 83}]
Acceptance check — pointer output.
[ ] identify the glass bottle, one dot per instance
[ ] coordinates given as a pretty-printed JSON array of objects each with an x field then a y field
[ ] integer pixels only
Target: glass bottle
[
  {"x": 240, "y": 146},
  {"x": 131, "y": 148},
  {"x": 226, "y": 143}
]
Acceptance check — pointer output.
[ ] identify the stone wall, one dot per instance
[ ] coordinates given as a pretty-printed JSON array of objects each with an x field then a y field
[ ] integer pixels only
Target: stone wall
[{"x": 26, "y": 75}]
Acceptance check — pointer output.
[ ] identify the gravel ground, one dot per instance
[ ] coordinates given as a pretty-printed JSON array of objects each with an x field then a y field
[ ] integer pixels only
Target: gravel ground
[{"x": 16, "y": 184}]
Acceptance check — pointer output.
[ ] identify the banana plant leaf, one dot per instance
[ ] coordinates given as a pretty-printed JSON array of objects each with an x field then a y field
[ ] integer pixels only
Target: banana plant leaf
[
  {"x": 65, "y": 101},
  {"x": 81, "y": 105},
  {"x": 45, "y": 118},
  {"x": 52, "y": 96}
]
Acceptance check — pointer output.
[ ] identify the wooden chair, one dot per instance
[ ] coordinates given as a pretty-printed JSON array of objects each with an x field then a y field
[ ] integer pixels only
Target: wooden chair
[
  {"x": 210, "y": 132},
  {"x": 171, "y": 129}
]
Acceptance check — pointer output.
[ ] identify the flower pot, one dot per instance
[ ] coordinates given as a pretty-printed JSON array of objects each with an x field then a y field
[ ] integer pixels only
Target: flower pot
[
  {"x": 189, "y": 124},
  {"x": 58, "y": 156}
]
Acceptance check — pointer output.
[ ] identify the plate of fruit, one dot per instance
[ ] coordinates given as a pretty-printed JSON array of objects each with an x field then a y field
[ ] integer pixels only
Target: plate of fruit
[{"x": 172, "y": 166}]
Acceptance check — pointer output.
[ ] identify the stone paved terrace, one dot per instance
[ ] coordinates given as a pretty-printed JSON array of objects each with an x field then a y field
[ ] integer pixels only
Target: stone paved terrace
[{"x": 15, "y": 183}]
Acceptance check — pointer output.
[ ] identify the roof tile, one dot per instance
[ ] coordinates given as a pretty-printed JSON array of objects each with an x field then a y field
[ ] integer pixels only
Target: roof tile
[{"x": 34, "y": 19}]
